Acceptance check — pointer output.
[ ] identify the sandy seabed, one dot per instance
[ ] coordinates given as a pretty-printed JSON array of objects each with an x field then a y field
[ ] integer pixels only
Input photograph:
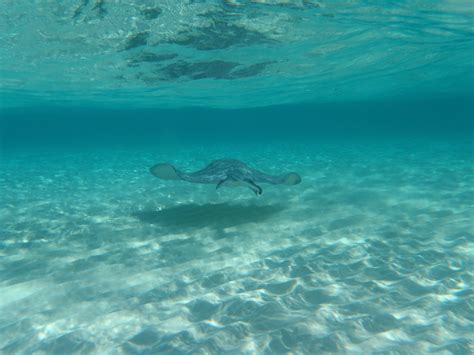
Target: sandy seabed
[{"x": 373, "y": 251}]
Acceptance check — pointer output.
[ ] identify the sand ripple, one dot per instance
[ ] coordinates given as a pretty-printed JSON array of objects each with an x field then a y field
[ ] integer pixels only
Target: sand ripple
[{"x": 369, "y": 253}]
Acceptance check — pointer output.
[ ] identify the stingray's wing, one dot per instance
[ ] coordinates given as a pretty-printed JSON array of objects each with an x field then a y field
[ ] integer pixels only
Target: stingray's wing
[
  {"x": 287, "y": 179},
  {"x": 169, "y": 172},
  {"x": 166, "y": 172},
  {"x": 290, "y": 179}
]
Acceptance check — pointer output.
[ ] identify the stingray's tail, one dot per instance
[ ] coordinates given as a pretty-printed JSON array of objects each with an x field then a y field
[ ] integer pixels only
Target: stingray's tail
[
  {"x": 166, "y": 172},
  {"x": 290, "y": 179}
]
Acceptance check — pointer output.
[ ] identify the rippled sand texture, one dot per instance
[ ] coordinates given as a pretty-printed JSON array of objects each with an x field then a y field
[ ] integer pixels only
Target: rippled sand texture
[{"x": 372, "y": 252}]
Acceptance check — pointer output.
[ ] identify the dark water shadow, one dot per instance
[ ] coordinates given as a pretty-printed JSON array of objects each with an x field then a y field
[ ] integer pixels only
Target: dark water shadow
[{"x": 219, "y": 216}]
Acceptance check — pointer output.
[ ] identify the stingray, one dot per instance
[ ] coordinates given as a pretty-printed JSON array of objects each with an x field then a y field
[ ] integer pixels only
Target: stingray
[{"x": 226, "y": 172}]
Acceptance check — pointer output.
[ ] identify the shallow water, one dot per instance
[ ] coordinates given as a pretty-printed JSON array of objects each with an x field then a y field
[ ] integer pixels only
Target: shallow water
[
  {"x": 372, "y": 103},
  {"x": 371, "y": 252},
  {"x": 231, "y": 53}
]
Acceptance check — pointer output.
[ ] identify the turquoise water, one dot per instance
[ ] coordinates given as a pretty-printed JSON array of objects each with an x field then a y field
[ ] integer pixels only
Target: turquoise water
[{"x": 372, "y": 103}]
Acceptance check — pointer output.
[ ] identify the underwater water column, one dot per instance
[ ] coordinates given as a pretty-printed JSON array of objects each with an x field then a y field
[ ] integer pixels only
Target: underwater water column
[{"x": 255, "y": 177}]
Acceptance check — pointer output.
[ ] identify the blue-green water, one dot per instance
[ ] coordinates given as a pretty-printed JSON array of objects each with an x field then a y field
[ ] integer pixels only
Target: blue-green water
[{"x": 371, "y": 103}]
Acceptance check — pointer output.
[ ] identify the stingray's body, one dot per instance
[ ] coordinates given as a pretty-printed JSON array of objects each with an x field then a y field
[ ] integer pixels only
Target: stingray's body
[{"x": 226, "y": 172}]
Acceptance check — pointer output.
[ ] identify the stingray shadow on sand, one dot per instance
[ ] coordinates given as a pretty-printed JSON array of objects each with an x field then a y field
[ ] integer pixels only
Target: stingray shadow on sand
[{"x": 218, "y": 216}]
